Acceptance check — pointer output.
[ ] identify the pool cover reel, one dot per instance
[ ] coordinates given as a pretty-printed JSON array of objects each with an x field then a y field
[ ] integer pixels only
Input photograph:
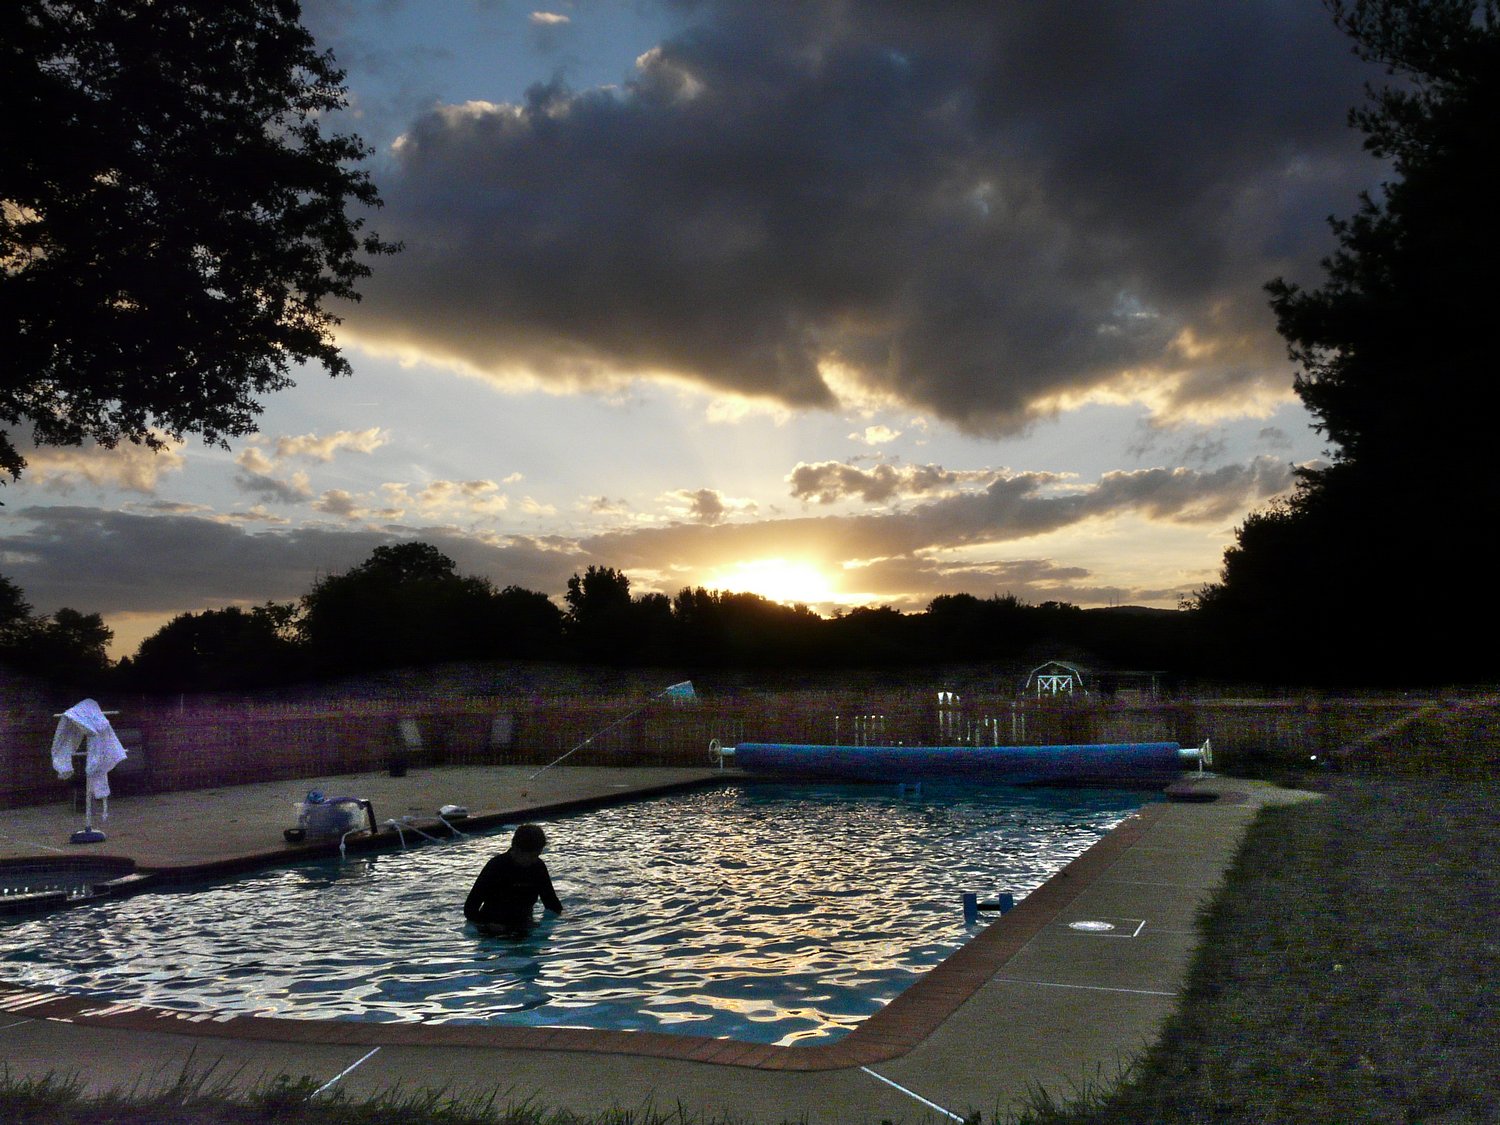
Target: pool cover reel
[{"x": 1018, "y": 765}]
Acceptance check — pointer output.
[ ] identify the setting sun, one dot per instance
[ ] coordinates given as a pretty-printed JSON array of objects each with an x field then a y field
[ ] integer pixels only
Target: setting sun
[{"x": 779, "y": 580}]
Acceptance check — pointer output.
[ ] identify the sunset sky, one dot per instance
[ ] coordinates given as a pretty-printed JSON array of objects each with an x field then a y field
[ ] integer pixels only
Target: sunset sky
[{"x": 842, "y": 303}]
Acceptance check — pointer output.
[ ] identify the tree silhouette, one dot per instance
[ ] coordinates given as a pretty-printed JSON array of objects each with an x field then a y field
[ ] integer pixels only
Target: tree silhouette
[
  {"x": 15, "y": 615},
  {"x": 1394, "y": 349},
  {"x": 219, "y": 649},
  {"x": 529, "y": 624},
  {"x": 173, "y": 220},
  {"x": 406, "y": 563},
  {"x": 68, "y": 645},
  {"x": 712, "y": 628},
  {"x": 404, "y": 605},
  {"x": 71, "y": 647},
  {"x": 599, "y": 622}
]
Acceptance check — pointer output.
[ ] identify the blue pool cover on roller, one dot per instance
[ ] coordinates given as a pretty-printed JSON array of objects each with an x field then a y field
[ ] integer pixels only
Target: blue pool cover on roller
[{"x": 1019, "y": 765}]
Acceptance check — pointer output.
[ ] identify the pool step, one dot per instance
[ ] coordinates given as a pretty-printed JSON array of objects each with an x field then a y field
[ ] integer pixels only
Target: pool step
[{"x": 52, "y": 898}]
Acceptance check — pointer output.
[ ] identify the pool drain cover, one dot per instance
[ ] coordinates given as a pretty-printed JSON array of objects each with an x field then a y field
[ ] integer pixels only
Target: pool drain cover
[{"x": 1108, "y": 926}]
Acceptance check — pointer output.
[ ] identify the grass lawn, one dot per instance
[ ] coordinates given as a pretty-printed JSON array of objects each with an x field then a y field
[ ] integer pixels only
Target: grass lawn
[{"x": 1348, "y": 975}]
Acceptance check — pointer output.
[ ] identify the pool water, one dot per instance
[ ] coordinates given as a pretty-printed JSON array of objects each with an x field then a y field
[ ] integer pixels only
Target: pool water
[{"x": 775, "y": 913}]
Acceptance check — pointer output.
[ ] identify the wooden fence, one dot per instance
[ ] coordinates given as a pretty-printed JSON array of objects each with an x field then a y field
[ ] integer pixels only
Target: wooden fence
[{"x": 193, "y": 744}]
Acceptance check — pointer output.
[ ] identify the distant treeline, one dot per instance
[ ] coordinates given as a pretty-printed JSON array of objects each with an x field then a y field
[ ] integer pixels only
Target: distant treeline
[{"x": 408, "y": 606}]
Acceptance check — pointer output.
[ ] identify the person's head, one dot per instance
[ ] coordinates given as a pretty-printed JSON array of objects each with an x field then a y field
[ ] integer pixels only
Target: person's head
[{"x": 529, "y": 839}]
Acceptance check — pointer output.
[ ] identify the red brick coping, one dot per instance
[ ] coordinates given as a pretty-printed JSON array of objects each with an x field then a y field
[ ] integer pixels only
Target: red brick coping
[{"x": 893, "y": 1031}]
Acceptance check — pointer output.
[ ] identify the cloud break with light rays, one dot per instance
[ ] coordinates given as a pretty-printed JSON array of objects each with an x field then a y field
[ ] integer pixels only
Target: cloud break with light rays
[
  {"x": 956, "y": 543},
  {"x": 1012, "y": 507}
]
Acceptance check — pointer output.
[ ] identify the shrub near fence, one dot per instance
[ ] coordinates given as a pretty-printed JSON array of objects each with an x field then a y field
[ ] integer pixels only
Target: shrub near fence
[{"x": 188, "y": 744}]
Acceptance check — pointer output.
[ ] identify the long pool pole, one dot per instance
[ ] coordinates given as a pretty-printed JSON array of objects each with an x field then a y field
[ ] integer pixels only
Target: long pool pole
[{"x": 602, "y": 730}]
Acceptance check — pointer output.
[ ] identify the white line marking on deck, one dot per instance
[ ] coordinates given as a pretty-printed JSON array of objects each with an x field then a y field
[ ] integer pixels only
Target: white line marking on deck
[
  {"x": 1085, "y": 987},
  {"x": 912, "y": 1094},
  {"x": 341, "y": 1073},
  {"x": 8, "y": 1026}
]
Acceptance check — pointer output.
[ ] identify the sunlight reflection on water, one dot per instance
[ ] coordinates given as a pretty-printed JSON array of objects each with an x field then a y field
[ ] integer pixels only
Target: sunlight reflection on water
[{"x": 771, "y": 913}]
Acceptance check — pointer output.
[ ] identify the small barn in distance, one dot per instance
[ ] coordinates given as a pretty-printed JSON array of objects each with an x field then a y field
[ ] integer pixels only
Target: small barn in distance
[
  {"x": 1056, "y": 677},
  {"x": 1062, "y": 678}
]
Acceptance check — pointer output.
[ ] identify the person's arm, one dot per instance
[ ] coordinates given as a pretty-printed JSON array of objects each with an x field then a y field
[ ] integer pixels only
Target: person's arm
[
  {"x": 549, "y": 896},
  {"x": 477, "y": 894}
]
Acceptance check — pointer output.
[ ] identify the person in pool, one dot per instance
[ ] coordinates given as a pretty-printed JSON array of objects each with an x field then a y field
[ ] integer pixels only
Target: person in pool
[{"x": 510, "y": 884}]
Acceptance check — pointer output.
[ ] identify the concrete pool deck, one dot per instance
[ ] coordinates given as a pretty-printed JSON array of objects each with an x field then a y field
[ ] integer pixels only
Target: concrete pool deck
[{"x": 1031, "y": 1001}]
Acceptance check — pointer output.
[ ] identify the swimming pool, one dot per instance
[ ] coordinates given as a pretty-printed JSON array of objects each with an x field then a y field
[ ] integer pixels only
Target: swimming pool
[{"x": 773, "y": 913}]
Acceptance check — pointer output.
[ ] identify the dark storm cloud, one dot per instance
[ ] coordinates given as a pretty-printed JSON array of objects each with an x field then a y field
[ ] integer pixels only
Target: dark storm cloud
[
  {"x": 830, "y": 481},
  {"x": 1190, "y": 496},
  {"x": 116, "y": 562},
  {"x": 912, "y": 583},
  {"x": 272, "y": 488},
  {"x": 978, "y": 208},
  {"x": 705, "y": 505}
]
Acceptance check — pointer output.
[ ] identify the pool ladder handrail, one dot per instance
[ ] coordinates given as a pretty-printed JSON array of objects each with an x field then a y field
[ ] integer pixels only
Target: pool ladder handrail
[{"x": 1002, "y": 903}]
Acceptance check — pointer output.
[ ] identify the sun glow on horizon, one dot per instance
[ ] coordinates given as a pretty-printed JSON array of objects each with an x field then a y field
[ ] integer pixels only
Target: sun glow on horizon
[{"x": 780, "y": 580}]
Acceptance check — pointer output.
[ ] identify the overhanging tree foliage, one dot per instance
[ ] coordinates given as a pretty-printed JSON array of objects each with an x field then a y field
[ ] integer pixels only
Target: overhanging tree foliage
[
  {"x": 174, "y": 223},
  {"x": 1395, "y": 354}
]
